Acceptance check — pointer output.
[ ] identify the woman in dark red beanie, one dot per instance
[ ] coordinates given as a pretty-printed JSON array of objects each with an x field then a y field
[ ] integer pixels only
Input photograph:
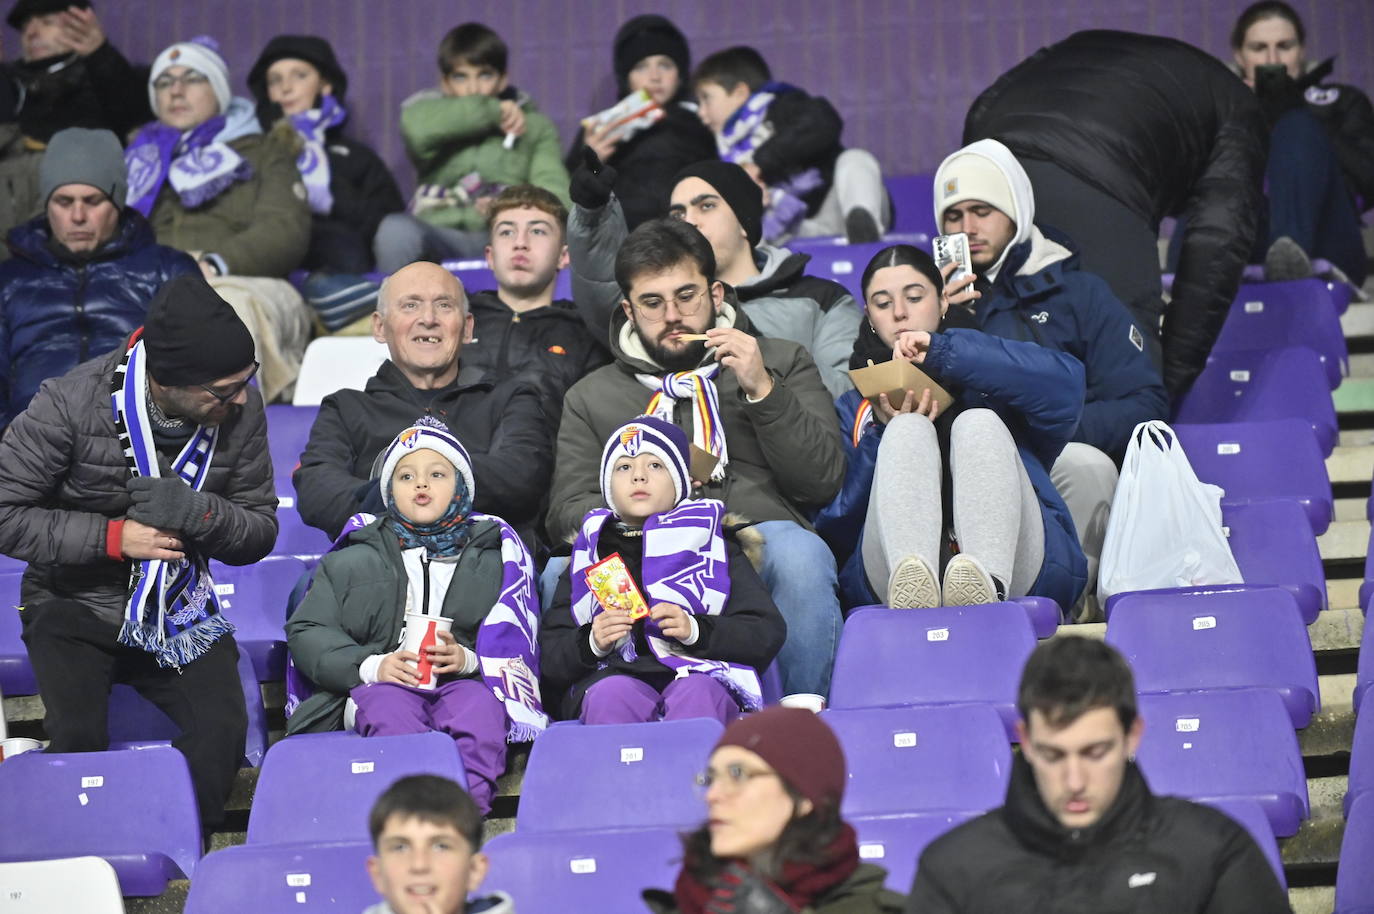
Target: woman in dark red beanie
[{"x": 774, "y": 842}]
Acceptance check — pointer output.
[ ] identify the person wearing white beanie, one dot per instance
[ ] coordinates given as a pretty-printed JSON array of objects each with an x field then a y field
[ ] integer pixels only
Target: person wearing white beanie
[
  {"x": 1029, "y": 286},
  {"x": 199, "y": 54}
]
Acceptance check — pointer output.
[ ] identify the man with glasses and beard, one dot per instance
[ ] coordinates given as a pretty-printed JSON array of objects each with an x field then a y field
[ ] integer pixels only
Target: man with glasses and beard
[
  {"x": 118, "y": 512},
  {"x": 685, "y": 353}
]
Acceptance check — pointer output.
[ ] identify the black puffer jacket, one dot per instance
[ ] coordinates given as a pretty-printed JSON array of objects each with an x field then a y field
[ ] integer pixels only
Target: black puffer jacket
[
  {"x": 547, "y": 347},
  {"x": 646, "y": 163},
  {"x": 501, "y": 424},
  {"x": 1165, "y": 129},
  {"x": 1348, "y": 117},
  {"x": 65, "y": 479},
  {"x": 60, "y": 309},
  {"x": 1147, "y": 854},
  {"x": 99, "y": 90}
]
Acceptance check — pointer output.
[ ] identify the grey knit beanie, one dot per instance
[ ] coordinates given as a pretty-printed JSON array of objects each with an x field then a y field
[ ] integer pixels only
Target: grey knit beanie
[{"x": 78, "y": 155}]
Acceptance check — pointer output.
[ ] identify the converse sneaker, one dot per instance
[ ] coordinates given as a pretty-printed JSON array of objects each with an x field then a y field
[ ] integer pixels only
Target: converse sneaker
[
  {"x": 912, "y": 585},
  {"x": 967, "y": 583}
]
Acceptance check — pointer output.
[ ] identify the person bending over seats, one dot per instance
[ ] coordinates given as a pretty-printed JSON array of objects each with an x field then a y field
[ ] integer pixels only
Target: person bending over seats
[
  {"x": 119, "y": 505},
  {"x": 971, "y": 483},
  {"x": 426, "y": 851},
  {"x": 214, "y": 185},
  {"x": 1081, "y": 830},
  {"x": 711, "y": 626},
  {"x": 685, "y": 353},
  {"x": 427, "y": 558},
  {"x": 775, "y": 842}
]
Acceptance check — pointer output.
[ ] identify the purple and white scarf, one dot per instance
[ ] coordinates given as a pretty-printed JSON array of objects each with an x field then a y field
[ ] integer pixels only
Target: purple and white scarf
[
  {"x": 698, "y": 385},
  {"x": 313, "y": 161},
  {"x": 172, "y": 612},
  {"x": 507, "y": 640},
  {"x": 685, "y": 564},
  {"x": 748, "y": 129},
  {"x": 199, "y": 167}
]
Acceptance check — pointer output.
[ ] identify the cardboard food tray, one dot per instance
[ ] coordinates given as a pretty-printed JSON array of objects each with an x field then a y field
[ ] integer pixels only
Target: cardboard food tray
[{"x": 895, "y": 378}]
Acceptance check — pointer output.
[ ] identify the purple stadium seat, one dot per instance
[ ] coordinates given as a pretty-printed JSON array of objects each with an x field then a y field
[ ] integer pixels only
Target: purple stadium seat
[
  {"x": 317, "y": 790},
  {"x": 16, "y": 675},
  {"x": 1045, "y": 614},
  {"x": 1256, "y": 461},
  {"x": 1297, "y": 313},
  {"x": 1364, "y": 675},
  {"x": 301, "y": 878},
  {"x": 1272, "y": 545},
  {"x": 475, "y": 275},
  {"x": 896, "y": 842},
  {"x": 136, "y": 723},
  {"x": 578, "y": 777},
  {"x": 843, "y": 263},
  {"x": 136, "y": 809},
  {"x": 952, "y": 655},
  {"x": 254, "y": 599},
  {"x": 1251, "y": 385},
  {"x": 1249, "y": 815},
  {"x": 1341, "y": 294},
  {"x": 1354, "y": 875},
  {"x": 944, "y": 758},
  {"x": 1361, "y": 779},
  {"x": 294, "y": 538},
  {"x": 1367, "y": 585},
  {"x": 583, "y": 871},
  {"x": 1228, "y": 639},
  {"x": 288, "y": 430},
  {"x": 1236, "y": 744},
  {"x": 913, "y": 205},
  {"x": 86, "y": 884}
]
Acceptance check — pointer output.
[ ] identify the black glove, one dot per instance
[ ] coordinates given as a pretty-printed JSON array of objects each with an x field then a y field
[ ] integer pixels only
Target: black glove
[
  {"x": 592, "y": 182},
  {"x": 168, "y": 503},
  {"x": 739, "y": 890}
]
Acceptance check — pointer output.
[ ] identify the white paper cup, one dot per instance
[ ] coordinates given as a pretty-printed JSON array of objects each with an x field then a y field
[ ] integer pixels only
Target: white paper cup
[
  {"x": 808, "y": 700},
  {"x": 16, "y": 746},
  {"x": 421, "y": 632}
]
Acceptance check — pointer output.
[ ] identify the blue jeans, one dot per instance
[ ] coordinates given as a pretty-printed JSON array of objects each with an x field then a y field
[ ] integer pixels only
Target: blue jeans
[{"x": 799, "y": 570}]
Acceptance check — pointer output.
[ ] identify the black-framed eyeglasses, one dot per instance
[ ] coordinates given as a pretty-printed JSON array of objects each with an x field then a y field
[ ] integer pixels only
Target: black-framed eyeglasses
[
  {"x": 733, "y": 778},
  {"x": 686, "y": 301},
  {"x": 233, "y": 392}
]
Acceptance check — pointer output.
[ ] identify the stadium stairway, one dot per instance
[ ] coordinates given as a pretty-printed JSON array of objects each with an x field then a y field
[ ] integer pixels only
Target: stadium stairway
[{"x": 1309, "y": 857}]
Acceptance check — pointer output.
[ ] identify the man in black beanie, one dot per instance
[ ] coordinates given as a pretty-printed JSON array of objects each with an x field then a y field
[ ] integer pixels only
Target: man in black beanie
[
  {"x": 118, "y": 513},
  {"x": 725, "y": 205}
]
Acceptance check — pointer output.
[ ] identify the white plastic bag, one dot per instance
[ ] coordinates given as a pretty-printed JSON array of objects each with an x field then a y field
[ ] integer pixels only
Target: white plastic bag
[{"x": 1165, "y": 529}]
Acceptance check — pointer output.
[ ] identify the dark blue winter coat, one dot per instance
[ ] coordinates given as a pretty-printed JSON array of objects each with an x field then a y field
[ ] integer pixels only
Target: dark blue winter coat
[
  {"x": 58, "y": 309},
  {"x": 1064, "y": 308},
  {"x": 1037, "y": 392}
]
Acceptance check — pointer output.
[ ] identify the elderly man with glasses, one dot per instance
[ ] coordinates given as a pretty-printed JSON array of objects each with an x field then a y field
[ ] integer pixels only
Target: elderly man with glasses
[
  {"x": 123, "y": 479},
  {"x": 760, "y": 418}
]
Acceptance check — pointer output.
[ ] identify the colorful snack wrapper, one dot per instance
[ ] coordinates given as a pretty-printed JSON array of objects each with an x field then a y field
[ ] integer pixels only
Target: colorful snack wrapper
[{"x": 614, "y": 587}]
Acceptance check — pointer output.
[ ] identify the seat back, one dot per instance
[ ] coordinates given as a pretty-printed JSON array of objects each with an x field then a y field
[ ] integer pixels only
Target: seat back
[
  {"x": 16, "y": 673},
  {"x": 583, "y": 871},
  {"x": 320, "y": 788},
  {"x": 288, "y": 431},
  {"x": 1236, "y": 744},
  {"x": 924, "y": 759},
  {"x": 254, "y": 598},
  {"x": 1300, "y": 312},
  {"x": 336, "y": 363},
  {"x": 896, "y": 842},
  {"x": 85, "y": 884},
  {"x": 1228, "y": 639},
  {"x": 579, "y": 776},
  {"x": 1354, "y": 874},
  {"x": 950, "y": 655},
  {"x": 1272, "y": 545},
  {"x": 303, "y": 879}
]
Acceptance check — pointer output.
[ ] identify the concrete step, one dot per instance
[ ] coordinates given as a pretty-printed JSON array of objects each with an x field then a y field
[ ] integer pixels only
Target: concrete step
[
  {"x": 1351, "y": 464},
  {"x": 1343, "y": 593},
  {"x": 1346, "y": 540},
  {"x": 1358, "y": 320}
]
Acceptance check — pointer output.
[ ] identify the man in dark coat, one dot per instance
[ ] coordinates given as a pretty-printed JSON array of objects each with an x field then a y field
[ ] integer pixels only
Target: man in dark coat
[
  {"x": 1117, "y": 131},
  {"x": 423, "y": 318},
  {"x": 118, "y": 512},
  {"x": 82, "y": 273},
  {"x": 1081, "y": 830}
]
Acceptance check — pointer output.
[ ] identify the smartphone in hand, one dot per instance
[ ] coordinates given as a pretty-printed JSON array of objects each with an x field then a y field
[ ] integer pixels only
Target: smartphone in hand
[{"x": 953, "y": 249}]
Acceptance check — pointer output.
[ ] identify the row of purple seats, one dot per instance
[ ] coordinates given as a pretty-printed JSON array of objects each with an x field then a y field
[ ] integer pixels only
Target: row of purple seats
[
  {"x": 1300, "y": 312},
  {"x": 1364, "y": 675},
  {"x": 303, "y": 879},
  {"x": 1251, "y": 385},
  {"x": 1361, "y": 779}
]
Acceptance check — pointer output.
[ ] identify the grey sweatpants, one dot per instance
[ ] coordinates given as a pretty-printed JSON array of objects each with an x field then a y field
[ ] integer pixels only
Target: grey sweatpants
[
  {"x": 858, "y": 181},
  {"x": 996, "y": 511},
  {"x": 1086, "y": 480}
]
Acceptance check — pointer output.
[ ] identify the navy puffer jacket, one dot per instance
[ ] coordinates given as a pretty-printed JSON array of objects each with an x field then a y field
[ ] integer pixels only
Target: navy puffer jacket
[{"x": 57, "y": 309}]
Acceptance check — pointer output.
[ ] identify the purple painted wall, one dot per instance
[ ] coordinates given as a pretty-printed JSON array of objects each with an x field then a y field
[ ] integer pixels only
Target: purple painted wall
[{"x": 901, "y": 73}]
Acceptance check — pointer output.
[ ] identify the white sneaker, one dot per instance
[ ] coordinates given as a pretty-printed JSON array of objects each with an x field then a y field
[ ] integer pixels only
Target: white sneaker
[
  {"x": 912, "y": 585},
  {"x": 967, "y": 583}
]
